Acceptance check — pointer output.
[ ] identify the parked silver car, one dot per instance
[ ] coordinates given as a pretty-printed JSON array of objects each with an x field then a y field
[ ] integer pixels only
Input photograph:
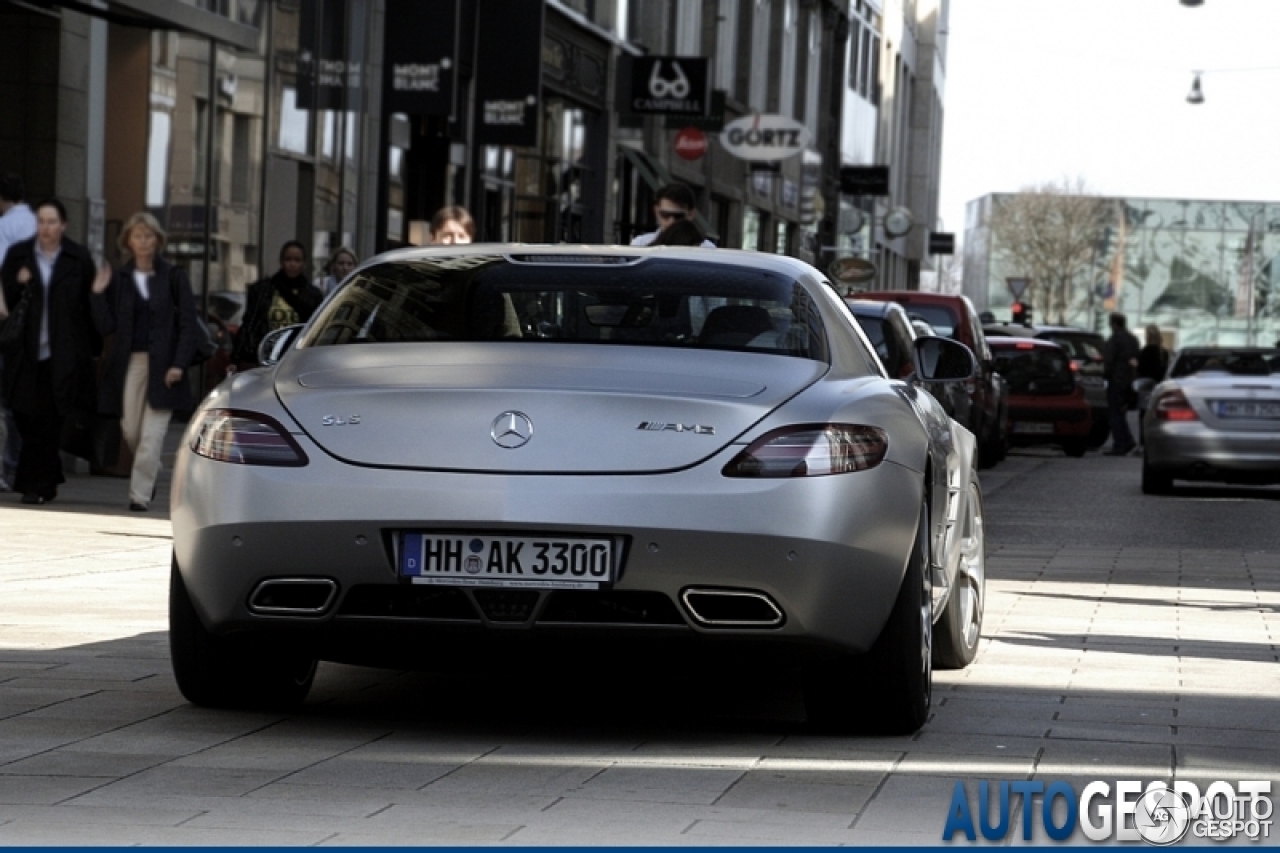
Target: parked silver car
[
  {"x": 1215, "y": 417},
  {"x": 497, "y": 449}
]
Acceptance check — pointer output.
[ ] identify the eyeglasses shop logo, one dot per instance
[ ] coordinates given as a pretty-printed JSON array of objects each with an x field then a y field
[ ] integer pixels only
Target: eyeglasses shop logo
[{"x": 1158, "y": 814}]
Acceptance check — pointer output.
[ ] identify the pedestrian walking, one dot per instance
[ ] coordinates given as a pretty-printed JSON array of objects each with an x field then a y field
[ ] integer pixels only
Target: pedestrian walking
[
  {"x": 49, "y": 381},
  {"x": 148, "y": 308},
  {"x": 450, "y": 226},
  {"x": 672, "y": 203},
  {"x": 340, "y": 265},
  {"x": 283, "y": 299},
  {"x": 17, "y": 223},
  {"x": 1119, "y": 361},
  {"x": 1153, "y": 363}
]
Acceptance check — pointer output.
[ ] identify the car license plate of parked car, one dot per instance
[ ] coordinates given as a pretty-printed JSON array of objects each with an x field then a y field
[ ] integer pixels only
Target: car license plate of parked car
[
  {"x": 1033, "y": 427},
  {"x": 1247, "y": 409},
  {"x": 530, "y": 562}
]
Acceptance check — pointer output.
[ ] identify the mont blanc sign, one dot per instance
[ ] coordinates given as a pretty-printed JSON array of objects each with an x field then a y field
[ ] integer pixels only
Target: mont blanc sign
[{"x": 764, "y": 137}]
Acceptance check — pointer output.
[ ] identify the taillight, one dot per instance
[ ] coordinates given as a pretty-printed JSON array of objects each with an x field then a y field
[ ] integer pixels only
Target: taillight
[
  {"x": 1172, "y": 405},
  {"x": 811, "y": 450},
  {"x": 246, "y": 438},
  {"x": 1075, "y": 365}
]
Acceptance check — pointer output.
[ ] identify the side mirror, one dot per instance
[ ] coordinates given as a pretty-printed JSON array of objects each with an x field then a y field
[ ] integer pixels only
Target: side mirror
[
  {"x": 275, "y": 344},
  {"x": 944, "y": 360}
]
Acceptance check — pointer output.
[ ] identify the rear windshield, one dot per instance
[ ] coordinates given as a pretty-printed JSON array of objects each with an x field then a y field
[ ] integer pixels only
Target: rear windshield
[
  {"x": 942, "y": 318},
  {"x": 1077, "y": 346},
  {"x": 658, "y": 302},
  {"x": 1228, "y": 362},
  {"x": 1035, "y": 371}
]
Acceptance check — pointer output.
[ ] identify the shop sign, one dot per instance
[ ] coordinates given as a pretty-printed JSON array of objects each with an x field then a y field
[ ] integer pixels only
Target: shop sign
[
  {"x": 508, "y": 92},
  {"x": 764, "y": 137},
  {"x": 669, "y": 85},
  {"x": 328, "y": 79},
  {"x": 690, "y": 143},
  {"x": 419, "y": 76}
]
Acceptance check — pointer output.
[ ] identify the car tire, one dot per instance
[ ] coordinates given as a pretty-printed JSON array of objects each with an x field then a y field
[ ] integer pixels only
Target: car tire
[
  {"x": 218, "y": 673},
  {"x": 959, "y": 629},
  {"x": 1155, "y": 482},
  {"x": 1076, "y": 447},
  {"x": 887, "y": 690}
]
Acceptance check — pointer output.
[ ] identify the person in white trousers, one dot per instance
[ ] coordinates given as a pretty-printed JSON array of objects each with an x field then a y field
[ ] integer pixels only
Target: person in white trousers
[{"x": 149, "y": 310}]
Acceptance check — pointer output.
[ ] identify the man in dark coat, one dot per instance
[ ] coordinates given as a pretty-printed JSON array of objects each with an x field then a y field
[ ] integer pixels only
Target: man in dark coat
[
  {"x": 286, "y": 298},
  {"x": 49, "y": 383},
  {"x": 1119, "y": 361}
]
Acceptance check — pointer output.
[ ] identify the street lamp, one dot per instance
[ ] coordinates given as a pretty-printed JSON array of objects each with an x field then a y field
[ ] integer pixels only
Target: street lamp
[{"x": 1195, "y": 96}]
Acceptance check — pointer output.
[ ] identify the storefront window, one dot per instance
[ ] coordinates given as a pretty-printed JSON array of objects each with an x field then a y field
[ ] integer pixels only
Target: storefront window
[{"x": 751, "y": 228}]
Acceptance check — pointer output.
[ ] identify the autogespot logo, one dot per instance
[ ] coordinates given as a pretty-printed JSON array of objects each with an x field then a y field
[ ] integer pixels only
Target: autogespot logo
[{"x": 1159, "y": 813}]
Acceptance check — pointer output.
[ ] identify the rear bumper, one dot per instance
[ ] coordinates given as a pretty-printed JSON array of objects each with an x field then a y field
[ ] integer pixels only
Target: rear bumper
[
  {"x": 1048, "y": 423},
  {"x": 1195, "y": 451},
  {"x": 829, "y": 551}
]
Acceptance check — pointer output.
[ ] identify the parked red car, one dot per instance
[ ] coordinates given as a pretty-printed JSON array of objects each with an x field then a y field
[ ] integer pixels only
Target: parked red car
[
  {"x": 954, "y": 317},
  {"x": 1046, "y": 405}
]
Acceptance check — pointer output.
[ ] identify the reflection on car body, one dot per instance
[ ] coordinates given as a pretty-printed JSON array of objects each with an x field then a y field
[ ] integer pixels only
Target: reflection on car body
[{"x": 817, "y": 508}]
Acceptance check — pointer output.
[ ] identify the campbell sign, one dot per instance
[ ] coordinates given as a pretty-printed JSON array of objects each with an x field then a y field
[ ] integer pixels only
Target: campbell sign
[{"x": 764, "y": 137}]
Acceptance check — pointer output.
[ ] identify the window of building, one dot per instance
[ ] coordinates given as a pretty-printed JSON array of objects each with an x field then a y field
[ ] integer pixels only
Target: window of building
[
  {"x": 759, "y": 88},
  {"x": 688, "y": 27},
  {"x": 812, "y": 73},
  {"x": 726, "y": 44},
  {"x": 790, "y": 36}
]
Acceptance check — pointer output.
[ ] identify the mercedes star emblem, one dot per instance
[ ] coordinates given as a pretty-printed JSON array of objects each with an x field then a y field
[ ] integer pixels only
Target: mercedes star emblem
[{"x": 511, "y": 430}]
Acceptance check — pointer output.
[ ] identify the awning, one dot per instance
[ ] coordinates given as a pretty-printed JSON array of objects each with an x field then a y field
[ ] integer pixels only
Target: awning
[{"x": 158, "y": 15}]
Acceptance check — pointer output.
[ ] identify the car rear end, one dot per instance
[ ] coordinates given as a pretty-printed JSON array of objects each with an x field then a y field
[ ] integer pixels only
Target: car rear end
[
  {"x": 1217, "y": 418},
  {"x": 1046, "y": 405}
]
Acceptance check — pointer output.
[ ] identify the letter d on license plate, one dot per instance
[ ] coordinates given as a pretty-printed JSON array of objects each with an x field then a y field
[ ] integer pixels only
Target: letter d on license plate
[{"x": 530, "y": 562}]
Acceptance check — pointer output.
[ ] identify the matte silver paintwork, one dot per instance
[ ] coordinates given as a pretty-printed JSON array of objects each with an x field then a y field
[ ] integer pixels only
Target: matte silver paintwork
[{"x": 831, "y": 551}]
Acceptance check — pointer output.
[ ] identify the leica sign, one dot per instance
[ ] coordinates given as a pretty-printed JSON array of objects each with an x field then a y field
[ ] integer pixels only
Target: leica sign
[
  {"x": 690, "y": 143},
  {"x": 764, "y": 137},
  {"x": 669, "y": 85}
]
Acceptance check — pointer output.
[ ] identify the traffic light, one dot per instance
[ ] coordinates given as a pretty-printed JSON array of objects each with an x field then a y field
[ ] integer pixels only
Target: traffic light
[{"x": 1021, "y": 313}]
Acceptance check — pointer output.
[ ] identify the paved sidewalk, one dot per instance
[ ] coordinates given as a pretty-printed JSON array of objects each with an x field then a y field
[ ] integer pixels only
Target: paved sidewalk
[{"x": 1100, "y": 663}]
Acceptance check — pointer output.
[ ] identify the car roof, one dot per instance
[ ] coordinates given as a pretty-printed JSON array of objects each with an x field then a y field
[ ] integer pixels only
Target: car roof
[
  {"x": 871, "y": 307},
  {"x": 905, "y": 296},
  {"x": 1020, "y": 343},
  {"x": 577, "y": 254},
  {"x": 1221, "y": 350}
]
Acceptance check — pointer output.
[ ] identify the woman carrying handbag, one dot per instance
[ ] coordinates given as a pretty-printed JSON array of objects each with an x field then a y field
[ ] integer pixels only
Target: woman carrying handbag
[{"x": 148, "y": 306}]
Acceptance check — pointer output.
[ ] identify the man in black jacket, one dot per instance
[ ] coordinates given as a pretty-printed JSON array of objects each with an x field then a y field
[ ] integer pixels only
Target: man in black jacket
[
  {"x": 286, "y": 298},
  {"x": 1119, "y": 360},
  {"x": 49, "y": 381}
]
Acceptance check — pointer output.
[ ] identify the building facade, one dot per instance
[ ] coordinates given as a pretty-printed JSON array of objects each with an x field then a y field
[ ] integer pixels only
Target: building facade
[
  {"x": 245, "y": 123},
  {"x": 1205, "y": 272}
]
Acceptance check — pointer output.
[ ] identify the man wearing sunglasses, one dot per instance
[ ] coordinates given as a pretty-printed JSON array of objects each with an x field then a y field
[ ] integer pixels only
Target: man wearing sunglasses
[{"x": 673, "y": 203}]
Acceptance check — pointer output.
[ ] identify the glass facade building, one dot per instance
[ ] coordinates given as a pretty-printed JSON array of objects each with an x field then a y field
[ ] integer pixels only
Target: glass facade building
[{"x": 1205, "y": 272}]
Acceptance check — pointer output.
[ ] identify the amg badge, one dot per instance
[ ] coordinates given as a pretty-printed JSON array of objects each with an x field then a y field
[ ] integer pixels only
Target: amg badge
[{"x": 658, "y": 426}]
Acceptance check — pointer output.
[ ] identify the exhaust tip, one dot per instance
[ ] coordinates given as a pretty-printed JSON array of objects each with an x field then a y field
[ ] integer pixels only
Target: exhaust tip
[
  {"x": 731, "y": 608},
  {"x": 293, "y": 596}
]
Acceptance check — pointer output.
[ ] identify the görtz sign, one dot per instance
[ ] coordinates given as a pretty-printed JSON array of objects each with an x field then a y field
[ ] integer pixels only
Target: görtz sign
[{"x": 764, "y": 137}]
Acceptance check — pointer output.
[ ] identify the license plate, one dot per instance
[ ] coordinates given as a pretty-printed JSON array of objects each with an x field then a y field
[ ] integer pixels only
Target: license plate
[
  {"x": 529, "y": 562},
  {"x": 1036, "y": 427},
  {"x": 1247, "y": 409}
]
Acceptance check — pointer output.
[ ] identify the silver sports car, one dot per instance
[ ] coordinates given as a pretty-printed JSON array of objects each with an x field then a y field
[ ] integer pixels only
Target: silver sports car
[
  {"x": 1215, "y": 417},
  {"x": 493, "y": 448}
]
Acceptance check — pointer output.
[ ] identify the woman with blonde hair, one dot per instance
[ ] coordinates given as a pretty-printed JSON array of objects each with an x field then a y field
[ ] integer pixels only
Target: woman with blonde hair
[
  {"x": 149, "y": 309},
  {"x": 340, "y": 265}
]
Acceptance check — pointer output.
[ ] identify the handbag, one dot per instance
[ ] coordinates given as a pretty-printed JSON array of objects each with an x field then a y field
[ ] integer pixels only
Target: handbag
[
  {"x": 205, "y": 344},
  {"x": 14, "y": 330}
]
